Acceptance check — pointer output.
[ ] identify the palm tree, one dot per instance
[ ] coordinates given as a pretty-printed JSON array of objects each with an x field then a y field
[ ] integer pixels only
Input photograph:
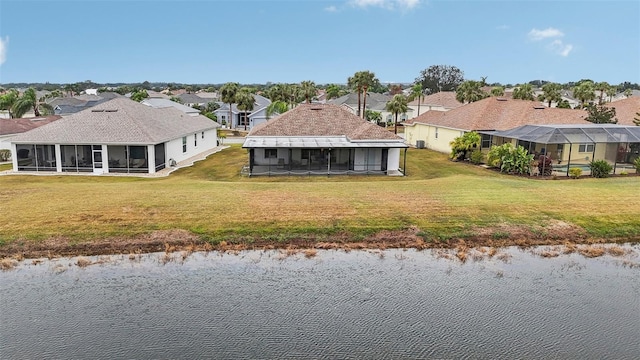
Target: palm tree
[
  {"x": 277, "y": 107},
  {"x": 245, "y": 101},
  {"x": 584, "y": 92},
  {"x": 470, "y": 91},
  {"x": 550, "y": 93},
  {"x": 355, "y": 83},
  {"x": 628, "y": 93},
  {"x": 602, "y": 87},
  {"x": 8, "y": 101},
  {"x": 611, "y": 92},
  {"x": 309, "y": 90},
  {"x": 398, "y": 104},
  {"x": 28, "y": 101},
  {"x": 333, "y": 91},
  {"x": 228, "y": 93},
  {"x": 367, "y": 79},
  {"x": 524, "y": 92},
  {"x": 416, "y": 93},
  {"x": 497, "y": 91}
]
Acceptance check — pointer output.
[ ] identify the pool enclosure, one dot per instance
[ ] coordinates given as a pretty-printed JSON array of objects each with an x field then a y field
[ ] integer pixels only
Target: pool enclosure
[{"x": 576, "y": 145}]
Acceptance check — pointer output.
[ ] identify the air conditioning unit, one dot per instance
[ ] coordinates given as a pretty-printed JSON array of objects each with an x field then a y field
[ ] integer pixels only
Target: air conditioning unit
[{"x": 420, "y": 144}]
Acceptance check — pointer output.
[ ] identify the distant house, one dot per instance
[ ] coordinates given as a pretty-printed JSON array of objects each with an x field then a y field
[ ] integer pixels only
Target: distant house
[
  {"x": 441, "y": 101},
  {"x": 11, "y": 127},
  {"x": 375, "y": 102},
  {"x": 436, "y": 129},
  {"x": 119, "y": 135},
  {"x": 192, "y": 99},
  {"x": 241, "y": 119},
  {"x": 70, "y": 105},
  {"x": 165, "y": 103},
  {"x": 626, "y": 110},
  {"x": 322, "y": 139}
]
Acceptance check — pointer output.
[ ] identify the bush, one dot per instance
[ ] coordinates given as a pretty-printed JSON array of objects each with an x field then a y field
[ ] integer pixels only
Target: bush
[
  {"x": 5, "y": 155},
  {"x": 510, "y": 160},
  {"x": 462, "y": 144},
  {"x": 636, "y": 164},
  {"x": 575, "y": 172},
  {"x": 600, "y": 168},
  {"x": 477, "y": 157}
]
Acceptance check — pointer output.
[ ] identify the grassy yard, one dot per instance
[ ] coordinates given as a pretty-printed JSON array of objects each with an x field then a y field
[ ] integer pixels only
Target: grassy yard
[{"x": 211, "y": 199}]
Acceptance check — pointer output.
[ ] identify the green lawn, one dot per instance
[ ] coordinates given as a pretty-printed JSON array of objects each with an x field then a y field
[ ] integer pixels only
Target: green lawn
[{"x": 212, "y": 199}]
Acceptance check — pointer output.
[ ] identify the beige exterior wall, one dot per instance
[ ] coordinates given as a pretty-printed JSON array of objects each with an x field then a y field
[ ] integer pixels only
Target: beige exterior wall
[{"x": 435, "y": 138}]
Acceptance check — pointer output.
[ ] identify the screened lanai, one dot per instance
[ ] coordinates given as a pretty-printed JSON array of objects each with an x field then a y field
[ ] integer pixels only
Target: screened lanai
[{"x": 577, "y": 144}]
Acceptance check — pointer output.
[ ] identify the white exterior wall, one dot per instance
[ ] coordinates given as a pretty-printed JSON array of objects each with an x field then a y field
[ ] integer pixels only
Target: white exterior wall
[
  {"x": 174, "y": 147},
  {"x": 5, "y": 143},
  {"x": 435, "y": 138},
  {"x": 393, "y": 159}
]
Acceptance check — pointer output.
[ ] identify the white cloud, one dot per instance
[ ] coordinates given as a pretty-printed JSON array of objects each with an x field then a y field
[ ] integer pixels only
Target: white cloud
[
  {"x": 537, "y": 35},
  {"x": 331, "y": 8},
  {"x": 3, "y": 49},
  {"x": 502, "y": 27},
  {"x": 386, "y": 4},
  {"x": 561, "y": 48}
]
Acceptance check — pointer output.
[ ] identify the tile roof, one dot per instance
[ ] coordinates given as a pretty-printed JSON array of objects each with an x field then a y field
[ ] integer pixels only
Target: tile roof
[
  {"x": 322, "y": 120},
  {"x": 18, "y": 126},
  {"x": 626, "y": 109},
  {"x": 500, "y": 114},
  {"x": 118, "y": 121},
  {"x": 446, "y": 99}
]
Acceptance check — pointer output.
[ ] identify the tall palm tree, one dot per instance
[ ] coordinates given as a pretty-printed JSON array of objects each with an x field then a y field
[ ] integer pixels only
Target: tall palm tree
[
  {"x": 550, "y": 93},
  {"x": 470, "y": 91},
  {"x": 367, "y": 79},
  {"x": 27, "y": 101},
  {"x": 416, "y": 93},
  {"x": 8, "y": 101},
  {"x": 308, "y": 90},
  {"x": 523, "y": 92},
  {"x": 397, "y": 105},
  {"x": 584, "y": 92},
  {"x": 602, "y": 87},
  {"x": 228, "y": 93},
  {"x": 245, "y": 101},
  {"x": 611, "y": 92},
  {"x": 354, "y": 82}
]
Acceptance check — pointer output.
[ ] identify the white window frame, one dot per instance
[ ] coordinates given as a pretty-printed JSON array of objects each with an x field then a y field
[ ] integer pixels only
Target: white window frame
[{"x": 586, "y": 148}]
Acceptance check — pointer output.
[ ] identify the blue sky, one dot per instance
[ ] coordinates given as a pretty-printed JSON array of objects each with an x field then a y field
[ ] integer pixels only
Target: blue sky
[{"x": 323, "y": 41}]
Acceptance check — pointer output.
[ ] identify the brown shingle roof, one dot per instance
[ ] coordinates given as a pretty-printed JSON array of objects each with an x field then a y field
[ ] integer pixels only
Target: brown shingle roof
[
  {"x": 445, "y": 99},
  {"x": 322, "y": 120},
  {"x": 17, "y": 126},
  {"x": 626, "y": 109},
  {"x": 500, "y": 114}
]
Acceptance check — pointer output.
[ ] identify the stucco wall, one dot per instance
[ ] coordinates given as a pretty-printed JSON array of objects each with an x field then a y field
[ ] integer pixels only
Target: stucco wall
[{"x": 173, "y": 148}]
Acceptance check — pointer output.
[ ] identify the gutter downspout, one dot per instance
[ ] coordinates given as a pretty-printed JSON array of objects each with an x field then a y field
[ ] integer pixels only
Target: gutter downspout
[
  {"x": 404, "y": 167},
  {"x": 569, "y": 159}
]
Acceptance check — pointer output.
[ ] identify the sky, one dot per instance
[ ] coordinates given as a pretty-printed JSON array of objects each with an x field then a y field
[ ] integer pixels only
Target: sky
[{"x": 262, "y": 41}]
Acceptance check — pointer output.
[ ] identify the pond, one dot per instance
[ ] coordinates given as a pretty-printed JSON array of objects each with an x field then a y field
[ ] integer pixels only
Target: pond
[{"x": 332, "y": 304}]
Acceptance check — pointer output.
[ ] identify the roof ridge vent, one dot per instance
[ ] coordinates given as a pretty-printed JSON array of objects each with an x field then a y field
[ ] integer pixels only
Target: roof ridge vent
[
  {"x": 501, "y": 99},
  {"x": 539, "y": 107}
]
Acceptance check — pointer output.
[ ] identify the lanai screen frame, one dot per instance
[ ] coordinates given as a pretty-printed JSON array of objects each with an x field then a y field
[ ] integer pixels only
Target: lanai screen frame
[{"x": 572, "y": 134}]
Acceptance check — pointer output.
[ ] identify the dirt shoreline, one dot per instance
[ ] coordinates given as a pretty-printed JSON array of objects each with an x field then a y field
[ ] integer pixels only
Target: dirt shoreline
[{"x": 182, "y": 240}]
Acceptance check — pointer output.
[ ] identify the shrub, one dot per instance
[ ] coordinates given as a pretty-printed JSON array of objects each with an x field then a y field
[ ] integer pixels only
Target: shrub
[
  {"x": 462, "y": 144},
  {"x": 624, "y": 172},
  {"x": 600, "y": 168},
  {"x": 636, "y": 164},
  {"x": 510, "y": 160},
  {"x": 477, "y": 157},
  {"x": 5, "y": 155},
  {"x": 575, "y": 172}
]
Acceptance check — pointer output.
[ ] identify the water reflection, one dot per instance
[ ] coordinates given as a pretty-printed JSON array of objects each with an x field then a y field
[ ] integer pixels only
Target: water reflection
[{"x": 390, "y": 304}]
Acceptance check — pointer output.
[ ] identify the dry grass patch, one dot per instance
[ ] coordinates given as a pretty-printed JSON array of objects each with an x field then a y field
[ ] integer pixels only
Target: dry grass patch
[
  {"x": 83, "y": 262},
  {"x": 310, "y": 253},
  {"x": 591, "y": 251},
  {"x": 615, "y": 250},
  {"x": 8, "y": 264}
]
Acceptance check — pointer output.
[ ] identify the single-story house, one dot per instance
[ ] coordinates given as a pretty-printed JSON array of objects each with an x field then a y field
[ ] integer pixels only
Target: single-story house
[
  {"x": 193, "y": 99},
  {"x": 440, "y": 101},
  {"x": 165, "y": 103},
  {"x": 436, "y": 129},
  {"x": 322, "y": 139},
  {"x": 626, "y": 110},
  {"x": 576, "y": 145},
  {"x": 12, "y": 127},
  {"x": 119, "y": 135},
  {"x": 375, "y": 102},
  {"x": 243, "y": 119}
]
